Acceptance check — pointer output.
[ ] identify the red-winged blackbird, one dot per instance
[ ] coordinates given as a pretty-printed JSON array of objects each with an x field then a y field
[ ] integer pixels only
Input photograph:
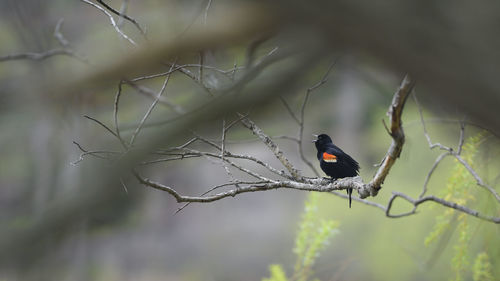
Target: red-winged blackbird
[{"x": 335, "y": 162}]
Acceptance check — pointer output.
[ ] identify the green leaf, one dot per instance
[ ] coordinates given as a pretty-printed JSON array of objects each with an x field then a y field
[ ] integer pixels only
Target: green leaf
[{"x": 277, "y": 273}]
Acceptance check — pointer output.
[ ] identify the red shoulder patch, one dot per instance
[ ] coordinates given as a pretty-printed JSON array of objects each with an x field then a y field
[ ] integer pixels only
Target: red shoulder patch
[{"x": 329, "y": 157}]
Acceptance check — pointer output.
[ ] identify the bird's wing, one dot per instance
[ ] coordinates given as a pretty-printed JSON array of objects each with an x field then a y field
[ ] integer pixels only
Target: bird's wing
[{"x": 329, "y": 157}]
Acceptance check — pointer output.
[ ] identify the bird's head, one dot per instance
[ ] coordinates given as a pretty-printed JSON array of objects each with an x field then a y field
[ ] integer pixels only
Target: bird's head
[{"x": 321, "y": 140}]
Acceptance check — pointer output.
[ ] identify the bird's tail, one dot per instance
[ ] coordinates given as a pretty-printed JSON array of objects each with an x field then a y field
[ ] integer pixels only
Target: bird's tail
[{"x": 349, "y": 192}]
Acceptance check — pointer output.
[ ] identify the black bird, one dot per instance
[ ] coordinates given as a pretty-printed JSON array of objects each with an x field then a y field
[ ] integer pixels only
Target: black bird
[{"x": 335, "y": 162}]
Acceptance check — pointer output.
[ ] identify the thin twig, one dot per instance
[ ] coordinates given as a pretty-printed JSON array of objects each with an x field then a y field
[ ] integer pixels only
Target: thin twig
[
  {"x": 431, "y": 171},
  {"x": 151, "y": 94},
  {"x": 115, "y": 115},
  {"x": 479, "y": 180},
  {"x": 150, "y": 109},
  {"x": 112, "y": 20},
  {"x": 95, "y": 153},
  {"x": 272, "y": 146},
  {"x": 426, "y": 134},
  {"x": 223, "y": 152},
  {"x": 200, "y": 69},
  {"x": 205, "y": 17},
  {"x": 102, "y": 124},
  {"x": 440, "y": 201},
  {"x": 289, "y": 109},
  {"x": 123, "y": 10},
  {"x": 301, "y": 122},
  {"x": 243, "y": 116},
  {"x": 59, "y": 36},
  {"x": 228, "y": 73},
  {"x": 461, "y": 139},
  {"x": 65, "y": 50},
  {"x": 36, "y": 56},
  {"x": 124, "y": 186},
  {"x": 239, "y": 167},
  {"x": 193, "y": 77},
  {"x": 456, "y": 154},
  {"x": 122, "y": 15}
]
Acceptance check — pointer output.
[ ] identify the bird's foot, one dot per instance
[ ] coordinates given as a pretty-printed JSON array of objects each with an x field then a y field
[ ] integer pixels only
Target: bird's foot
[{"x": 329, "y": 179}]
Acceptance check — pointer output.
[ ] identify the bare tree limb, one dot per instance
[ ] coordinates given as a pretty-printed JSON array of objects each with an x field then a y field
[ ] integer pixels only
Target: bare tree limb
[
  {"x": 272, "y": 146},
  {"x": 440, "y": 201},
  {"x": 397, "y": 134}
]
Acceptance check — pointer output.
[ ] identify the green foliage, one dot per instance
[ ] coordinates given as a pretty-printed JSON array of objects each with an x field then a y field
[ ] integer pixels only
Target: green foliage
[
  {"x": 459, "y": 189},
  {"x": 482, "y": 268},
  {"x": 312, "y": 238},
  {"x": 459, "y": 262},
  {"x": 277, "y": 273}
]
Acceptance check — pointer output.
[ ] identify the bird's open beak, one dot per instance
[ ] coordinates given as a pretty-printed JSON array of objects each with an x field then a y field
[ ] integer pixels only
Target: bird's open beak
[{"x": 316, "y": 136}]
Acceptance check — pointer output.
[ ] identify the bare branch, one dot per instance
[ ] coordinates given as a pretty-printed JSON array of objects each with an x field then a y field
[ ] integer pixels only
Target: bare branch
[
  {"x": 146, "y": 115},
  {"x": 236, "y": 122},
  {"x": 223, "y": 152},
  {"x": 122, "y": 15},
  {"x": 323, "y": 80},
  {"x": 123, "y": 10},
  {"x": 431, "y": 145},
  {"x": 200, "y": 69},
  {"x": 397, "y": 134},
  {"x": 124, "y": 186},
  {"x": 65, "y": 50},
  {"x": 205, "y": 17},
  {"x": 102, "y": 124},
  {"x": 461, "y": 139},
  {"x": 440, "y": 201},
  {"x": 252, "y": 48},
  {"x": 453, "y": 121},
  {"x": 431, "y": 171},
  {"x": 317, "y": 185},
  {"x": 228, "y": 73},
  {"x": 58, "y": 35},
  {"x": 289, "y": 109},
  {"x": 272, "y": 146},
  {"x": 194, "y": 78},
  {"x": 456, "y": 154},
  {"x": 239, "y": 167},
  {"x": 36, "y": 56},
  {"x": 102, "y": 154},
  {"x": 115, "y": 115},
  {"x": 260, "y": 162},
  {"x": 479, "y": 180},
  {"x": 112, "y": 20},
  {"x": 151, "y": 94}
]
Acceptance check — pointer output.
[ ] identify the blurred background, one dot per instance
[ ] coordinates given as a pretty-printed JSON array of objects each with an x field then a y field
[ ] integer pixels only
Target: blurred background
[{"x": 70, "y": 215}]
